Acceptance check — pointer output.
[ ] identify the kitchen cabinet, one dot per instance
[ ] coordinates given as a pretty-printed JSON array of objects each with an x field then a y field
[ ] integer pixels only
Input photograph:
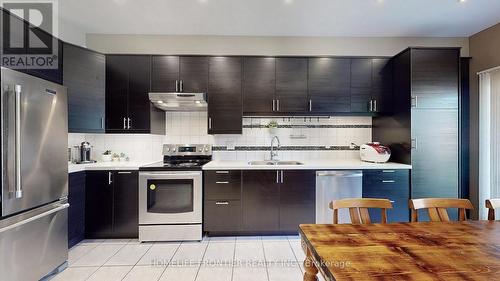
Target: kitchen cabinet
[
  {"x": 361, "y": 84},
  {"x": 128, "y": 109},
  {"x": 260, "y": 195},
  {"x": 84, "y": 76},
  {"x": 291, "y": 85},
  {"x": 225, "y": 109},
  {"x": 382, "y": 87},
  {"x": 329, "y": 83},
  {"x": 76, "y": 210},
  {"x": 112, "y": 204},
  {"x": 259, "y": 85},
  {"x": 297, "y": 199},
  {"x": 388, "y": 184},
  {"x": 222, "y": 201},
  {"x": 187, "y": 74}
]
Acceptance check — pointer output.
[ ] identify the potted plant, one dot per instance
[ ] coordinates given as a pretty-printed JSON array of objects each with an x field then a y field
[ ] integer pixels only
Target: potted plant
[
  {"x": 106, "y": 156},
  {"x": 272, "y": 126}
]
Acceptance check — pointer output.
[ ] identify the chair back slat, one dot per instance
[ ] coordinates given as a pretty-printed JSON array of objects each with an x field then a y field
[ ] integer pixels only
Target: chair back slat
[
  {"x": 492, "y": 204},
  {"x": 436, "y": 207},
  {"x": 358, "y": 209}
]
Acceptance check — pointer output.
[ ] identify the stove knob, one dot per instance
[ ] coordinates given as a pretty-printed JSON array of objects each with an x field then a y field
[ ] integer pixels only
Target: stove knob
[
  {"x": 206, "y": 149},
  {"x": 200, "y": 150},
  {"x": 168, "y": 148},
  {"x": 175, "y": 149}
]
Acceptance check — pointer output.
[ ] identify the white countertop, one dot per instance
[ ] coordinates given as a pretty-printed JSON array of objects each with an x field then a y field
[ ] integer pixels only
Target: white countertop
[
  {"x": 331, "y": 164},
  {"x": 113, "y": 165}
]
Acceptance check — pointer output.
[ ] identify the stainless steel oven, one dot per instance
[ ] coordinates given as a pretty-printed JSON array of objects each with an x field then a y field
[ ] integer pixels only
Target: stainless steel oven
[{"x": 170, "y": 206}]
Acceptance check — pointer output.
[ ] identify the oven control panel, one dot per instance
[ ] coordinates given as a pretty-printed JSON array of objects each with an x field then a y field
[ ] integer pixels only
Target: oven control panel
[{"x": 187, "y": 149}]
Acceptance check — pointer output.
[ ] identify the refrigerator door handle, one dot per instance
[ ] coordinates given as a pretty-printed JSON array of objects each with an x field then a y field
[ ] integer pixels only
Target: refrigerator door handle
[
  {"x": 33, "y": 218},
  {"x": 19, "y": 191}
]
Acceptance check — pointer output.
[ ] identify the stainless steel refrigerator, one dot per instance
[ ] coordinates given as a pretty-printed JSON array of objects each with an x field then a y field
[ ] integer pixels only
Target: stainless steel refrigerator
[{"x": 34, "y": 141}]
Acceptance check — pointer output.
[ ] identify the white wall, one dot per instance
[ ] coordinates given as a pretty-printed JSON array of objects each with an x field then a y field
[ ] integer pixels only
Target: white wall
[
  {"x": 248, "y": 45},
  {"x": 71, "y": 33}
]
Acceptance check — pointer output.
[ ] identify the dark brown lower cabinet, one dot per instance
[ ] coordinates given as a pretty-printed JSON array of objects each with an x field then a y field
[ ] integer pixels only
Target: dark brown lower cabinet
[
  {"x": 111, "y": 204},
  {"x": 258, "y": 201},
  {"x": 297, "y": 199}
]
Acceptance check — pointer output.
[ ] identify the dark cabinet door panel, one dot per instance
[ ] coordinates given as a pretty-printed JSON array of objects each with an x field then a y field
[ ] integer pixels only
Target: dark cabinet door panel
[
  {"x": 125, "y": 204},
  {"x": 360, "y": 100},
  {"x": 291, "y": 84},
  {"x": 222, "y": 216},
  {"x": 117, "y": 76},
  {"x": 329, "y": 85},
  {"x": 260, "y": 201},
  {"x": 382, "y": 90},
  {"x": 361, "y": 73},
  {"x": 224, "y": 95},
  {"x": 55, "y": 73},
  {"x": 259, "y": 84},
  {"x": 194, "y": 74},
  {"x": 139, "y": 86},
  {"x": 388, "y": 184},
  {"x": 224, "y": 185},
  {"x": 84, "y": 76},
  {"x": 98, "y": 205},
  {"x": 164, "y": 73},
  {"x": 76, "y": 211},
  {"x": 297, "y": 199}
]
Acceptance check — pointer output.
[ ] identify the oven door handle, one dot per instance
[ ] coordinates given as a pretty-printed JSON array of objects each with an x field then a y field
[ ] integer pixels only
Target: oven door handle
[{"x": 166, "y": 174}]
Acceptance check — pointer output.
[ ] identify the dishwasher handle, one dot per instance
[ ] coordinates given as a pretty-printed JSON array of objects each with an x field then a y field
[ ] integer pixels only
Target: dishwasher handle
[{"x": 348, "y": 174}]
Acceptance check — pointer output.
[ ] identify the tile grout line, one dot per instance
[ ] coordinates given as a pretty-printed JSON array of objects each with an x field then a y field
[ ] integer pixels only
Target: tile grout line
[
  {"x": 265, "y": 259},
  {"x": 137, "y": 261},
  {"x": 233, "y": 260},
  {"x": 105, "y": 260},
  {"x": 202, "y": 257},
  {"x": 295, "y": 255},
  {"x": 90, "y": 245},
  {"x": 170, "y": 260}
]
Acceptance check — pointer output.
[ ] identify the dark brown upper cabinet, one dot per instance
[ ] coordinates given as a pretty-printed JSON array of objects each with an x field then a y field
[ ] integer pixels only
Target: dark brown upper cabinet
[
  {"x": 179, "y": 74},
  {"x": 225, "y": 109},
  {"x": 259, "y": 85},
  {"x": 361, "y": 84},
  {"x": 329, "y": 85},
  {"x": 84, "y": 76},
  {"x": 291, "y": 85},
  {"x": 128, "y": 109},
  {"x": 382, "y": 88}
]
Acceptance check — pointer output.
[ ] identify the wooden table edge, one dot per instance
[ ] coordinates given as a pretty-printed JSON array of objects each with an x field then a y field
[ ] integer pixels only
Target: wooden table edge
[{"x": 312, "y": 260}]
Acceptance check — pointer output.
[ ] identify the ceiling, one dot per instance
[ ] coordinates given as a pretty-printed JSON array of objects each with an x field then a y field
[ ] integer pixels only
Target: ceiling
[{"x": 378, "y": 18}]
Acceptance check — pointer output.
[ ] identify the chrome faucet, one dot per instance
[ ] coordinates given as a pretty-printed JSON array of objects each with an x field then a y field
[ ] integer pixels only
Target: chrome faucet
[{"x": 274, "y": 154}]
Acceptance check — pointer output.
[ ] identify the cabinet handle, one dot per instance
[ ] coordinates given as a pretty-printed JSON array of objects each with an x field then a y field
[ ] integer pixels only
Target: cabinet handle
[
  {"x": 392, "y": 201},
  {"x": 375, "y": 105},
  {"x": 274, "y": 105},
  {"x": 128, "y": 123},
  {"x": 222, "y": 172},
  {"x": 110, "y": 181},
  {"x": 388, "y": 181},
  {"x": 310, "y": 105},
  {"x": 277, "y": 105},
  {"x": 210, "y": 123},
  {"x": 102, "y": 122},
  {"x": 177, "y": 85},
  {"x": 124, "y": 123},
  {"x": 388, "y": 171},
  {"x": 181, "y": 86},
  {"x": 277, "y": 177},
  {"x": 281, "y": 176},
  {"x": 221, "y": 203},
  {"x": 221, "y": 182},
  {"x": 414, "y": 101},
  {"x": 124, "y": 172},
  {"x": 371, "y": 105}
]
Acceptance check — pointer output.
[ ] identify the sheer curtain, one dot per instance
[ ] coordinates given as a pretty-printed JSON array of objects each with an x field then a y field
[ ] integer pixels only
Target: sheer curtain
[{"x": 489, "y": 137}]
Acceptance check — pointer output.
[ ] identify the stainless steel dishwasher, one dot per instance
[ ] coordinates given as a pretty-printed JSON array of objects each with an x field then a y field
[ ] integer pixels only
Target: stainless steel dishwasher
[{"x": 334, "y": 185}]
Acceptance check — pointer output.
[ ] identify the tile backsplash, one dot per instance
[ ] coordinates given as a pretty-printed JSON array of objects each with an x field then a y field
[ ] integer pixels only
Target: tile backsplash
[{"x": 300, "y": 138}]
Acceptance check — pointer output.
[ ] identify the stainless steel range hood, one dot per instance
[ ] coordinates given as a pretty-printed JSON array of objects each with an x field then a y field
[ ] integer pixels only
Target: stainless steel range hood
[{"x": 179, "y": 101}]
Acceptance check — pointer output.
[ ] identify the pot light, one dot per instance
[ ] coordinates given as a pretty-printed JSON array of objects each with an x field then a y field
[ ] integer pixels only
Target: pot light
[
  {"x": 288, "y": 1},
  {"x": 461, "y": 1}
]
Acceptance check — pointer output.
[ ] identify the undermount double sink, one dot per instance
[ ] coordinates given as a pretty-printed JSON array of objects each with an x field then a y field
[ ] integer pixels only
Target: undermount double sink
[{"x": 273, "y": 163}]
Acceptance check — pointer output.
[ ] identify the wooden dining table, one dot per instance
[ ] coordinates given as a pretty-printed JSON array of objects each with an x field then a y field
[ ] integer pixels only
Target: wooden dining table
[{"x": 467, "y": 250}]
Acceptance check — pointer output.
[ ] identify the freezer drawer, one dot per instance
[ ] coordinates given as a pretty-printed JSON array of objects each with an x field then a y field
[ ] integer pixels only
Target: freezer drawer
[{"x": 33, "y": 244}]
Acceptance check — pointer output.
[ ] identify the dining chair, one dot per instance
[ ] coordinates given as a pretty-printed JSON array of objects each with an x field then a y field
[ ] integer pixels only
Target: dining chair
[
  {"x": 358, "y": 209},
  {"x": 492, "y": 204},
  {"x": 437, "y": 208}
]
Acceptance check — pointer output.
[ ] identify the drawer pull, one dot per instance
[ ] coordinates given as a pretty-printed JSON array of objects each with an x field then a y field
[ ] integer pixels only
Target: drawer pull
[
  {"x": 392, "y": 201},
  {"x": 222, "y": 203},
  {"x": 388, "y": 171},
  {"x": 222, "y": 172},
  {"x": 388, "y": 181},
  {"x": 221, "y": 182}
]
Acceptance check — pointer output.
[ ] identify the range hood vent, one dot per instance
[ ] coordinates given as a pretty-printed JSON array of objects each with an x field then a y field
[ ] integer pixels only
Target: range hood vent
[{"x": 179, "y": 101}]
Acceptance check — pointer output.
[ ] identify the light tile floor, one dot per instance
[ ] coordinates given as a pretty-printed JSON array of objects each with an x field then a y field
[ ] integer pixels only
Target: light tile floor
[{"x": 245, "y": 258}]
